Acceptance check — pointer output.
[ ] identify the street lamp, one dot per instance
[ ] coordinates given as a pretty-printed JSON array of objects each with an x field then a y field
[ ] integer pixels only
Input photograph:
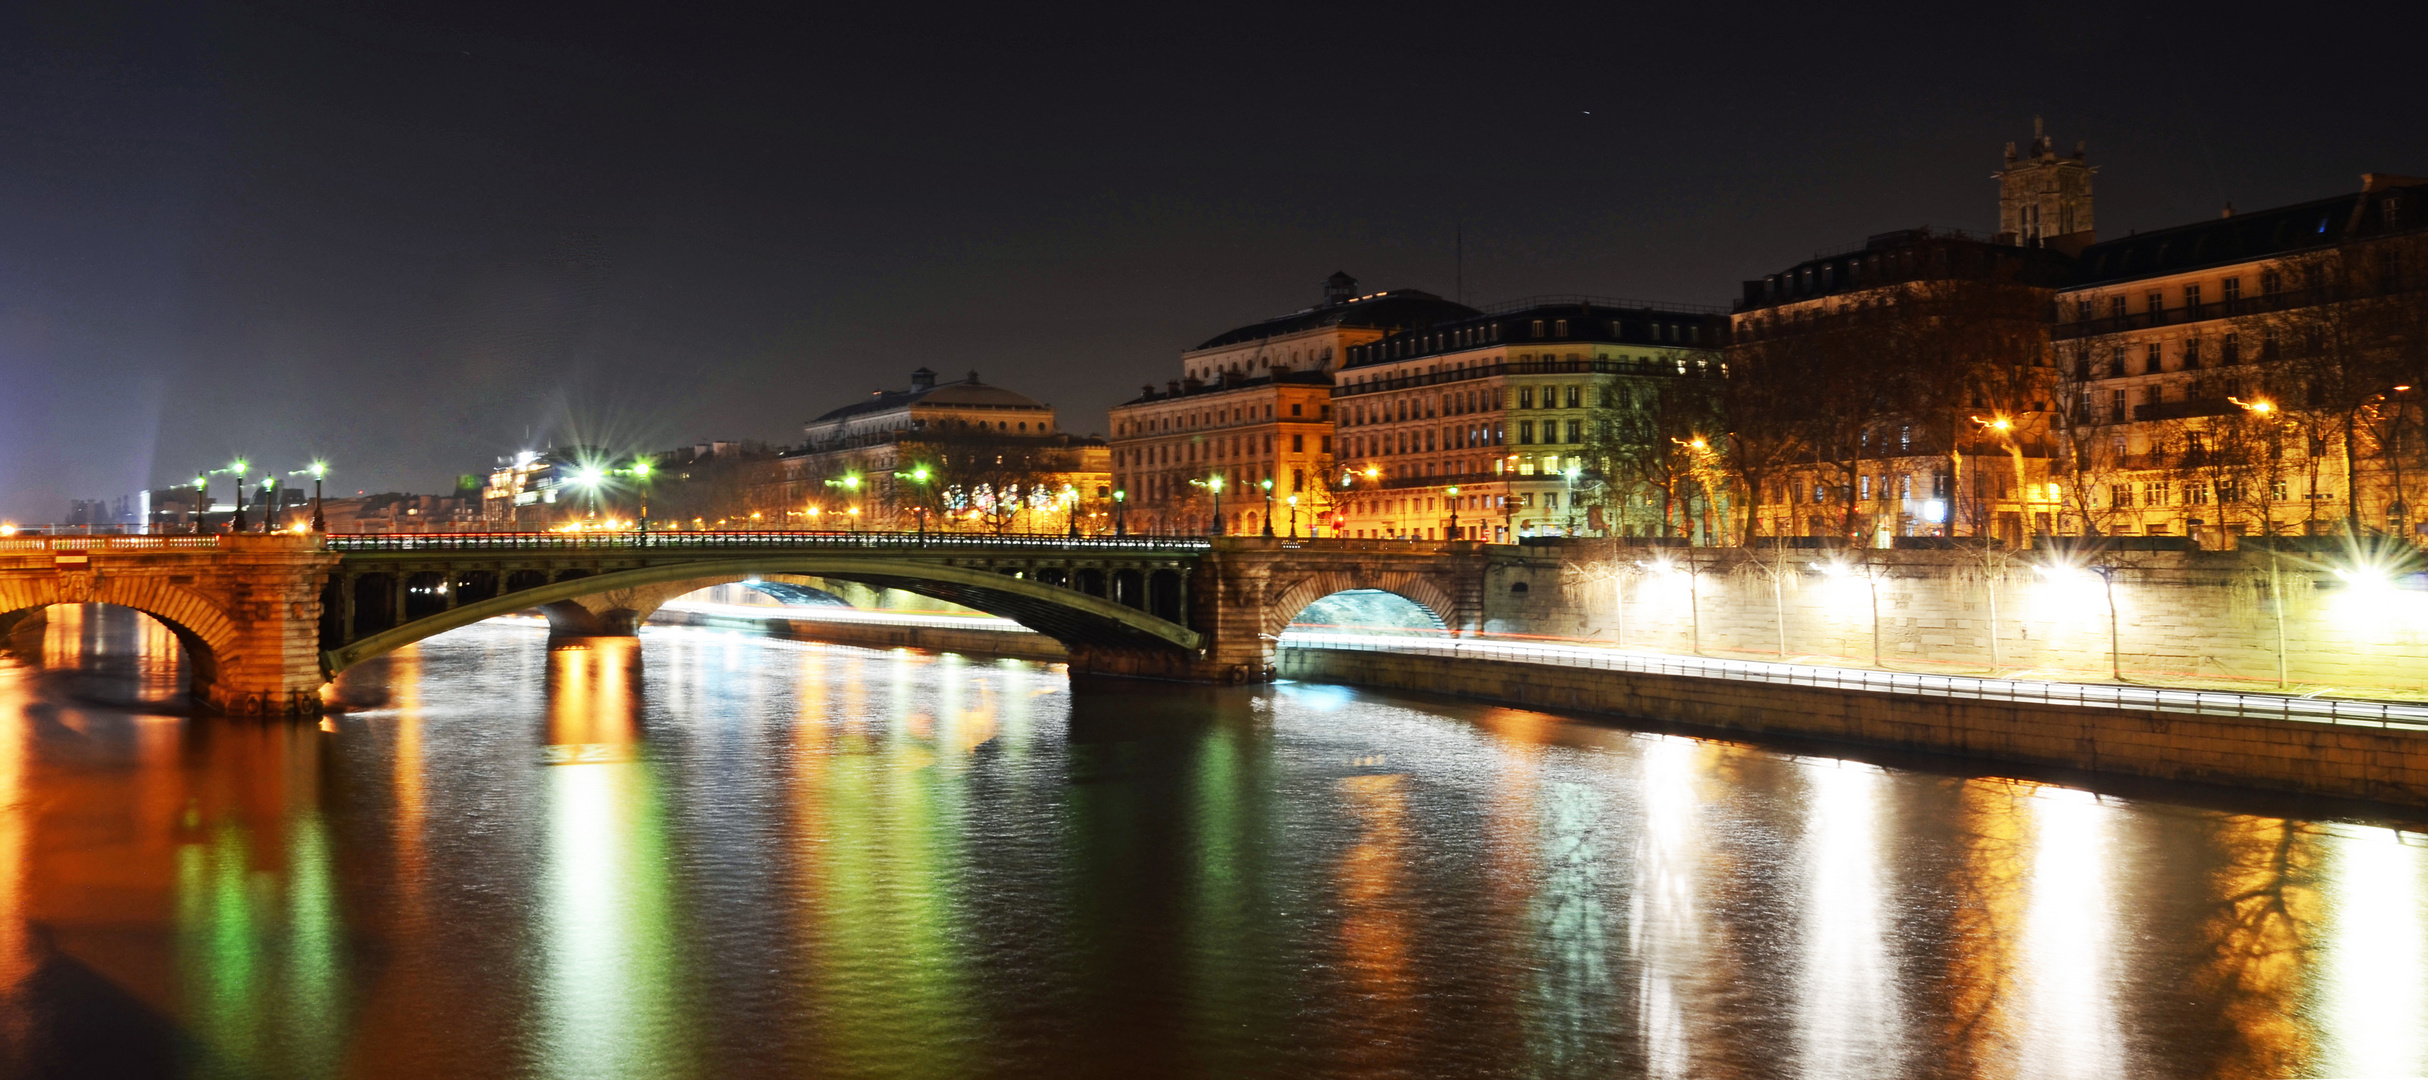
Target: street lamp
[
  {"x": 640, "y": 472},
  {"x": 851, "y": 486},
  {"x": 1121, "y": 521},
  {"x": 202, "y": 498},
  {"x": 1453, "y": 493},
  {"x": 1569, "y": 474},
  {"x": 1070, "y": 508},
  {"x": 316, "y": 470},
  {"x": 1214, "y": 484},
  {"x": 1293, "y": 500},
  {"x": 918, "y": 475},
  {"x": 238, "y": 468},
  {"x": 1267, "y": 484}
]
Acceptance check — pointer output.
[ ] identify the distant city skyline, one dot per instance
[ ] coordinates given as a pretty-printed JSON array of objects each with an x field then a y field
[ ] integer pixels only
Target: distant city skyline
[{"x": 409, "y": 244}]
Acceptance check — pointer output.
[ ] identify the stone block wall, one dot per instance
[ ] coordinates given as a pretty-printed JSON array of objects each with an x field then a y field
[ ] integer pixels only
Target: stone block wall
[{"x": 2197, "y": 615}]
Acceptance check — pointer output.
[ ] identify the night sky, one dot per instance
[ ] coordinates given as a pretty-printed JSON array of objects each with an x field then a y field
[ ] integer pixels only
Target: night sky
[{"x": 412, "y": 241}]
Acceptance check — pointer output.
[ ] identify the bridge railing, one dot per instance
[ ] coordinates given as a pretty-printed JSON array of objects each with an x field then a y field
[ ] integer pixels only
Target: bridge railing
[
  {"x": 758, "y": 541},
  {"x": 106, "y": 543}
]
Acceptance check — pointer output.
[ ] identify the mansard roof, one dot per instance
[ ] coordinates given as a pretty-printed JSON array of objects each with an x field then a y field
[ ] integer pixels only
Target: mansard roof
[
  {"x": 1391, "y": 310},
  {"x": 2284, "y": 230},
  {"x": 961, "y": 395}
]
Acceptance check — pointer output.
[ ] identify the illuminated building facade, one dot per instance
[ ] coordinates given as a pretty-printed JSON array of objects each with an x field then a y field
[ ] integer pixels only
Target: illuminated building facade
[
  {"x": 2245, "y": 375},
  {"x": 1254, "y": 405},
  {"x": 957, "y": 455},
  {"x": 1511, "y": 409}
]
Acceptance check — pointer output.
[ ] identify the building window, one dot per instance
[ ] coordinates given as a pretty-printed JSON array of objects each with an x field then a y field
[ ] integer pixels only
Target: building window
[
  {"x": 1298, "y": 444},
  {"x": 1559, "y": 328},
  {"x": 2150, "y": 362},
  {"x": 1525, "y": 433},
  {"x": 1576, "y": 395},
  {"x": 1297, "y": 409},
  {"x": 2192, "y": 295},
  {"x": 1865, "y": 491},
  {"x": 2157, "y": 302},
  {"x": 2230, "y": 350},
  {"x": 2233, "y": 290},
  {"x": 2120, "y": 495},
  {"x": 1538, "y": 328},
  {"x": 2116, "y": 307},
  {"x": 2271, "y": 282},
  {"x": 1905, "y": 438},
  {"x": 1525, "y": 397},
  {"x": 1576, "y": 431},
  {"x": 2116, "y": 407}
]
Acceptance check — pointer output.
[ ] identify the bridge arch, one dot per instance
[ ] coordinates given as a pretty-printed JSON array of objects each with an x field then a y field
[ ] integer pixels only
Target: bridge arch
[
  {"x": 209, "y": 637},
  {"x": 1413, "y": 586},
  {"x": 1068, "y": 615}
]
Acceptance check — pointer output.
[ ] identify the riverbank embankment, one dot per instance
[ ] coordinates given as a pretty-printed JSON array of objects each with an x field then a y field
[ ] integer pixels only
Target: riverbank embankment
[{"x": 2376, "y": 763}]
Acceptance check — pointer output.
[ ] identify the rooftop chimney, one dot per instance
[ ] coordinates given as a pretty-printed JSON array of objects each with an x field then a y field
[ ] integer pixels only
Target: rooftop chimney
[{"x": 923, "y": 379}]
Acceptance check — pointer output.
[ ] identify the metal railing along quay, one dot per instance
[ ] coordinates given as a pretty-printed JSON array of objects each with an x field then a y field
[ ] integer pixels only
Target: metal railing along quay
[{"x": 2372, "y": 714}]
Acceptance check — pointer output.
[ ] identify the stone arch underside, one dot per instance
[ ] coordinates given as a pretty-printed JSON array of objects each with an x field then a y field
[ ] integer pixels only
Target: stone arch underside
[
  {"x": 210, "y": 638},
  {"x": 1067, "y": 615},
  {"x": 1413, "y": 586}
]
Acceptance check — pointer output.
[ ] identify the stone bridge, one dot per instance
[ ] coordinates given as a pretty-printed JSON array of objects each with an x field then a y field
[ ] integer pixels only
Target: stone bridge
[{"x": 267, "y": 621}]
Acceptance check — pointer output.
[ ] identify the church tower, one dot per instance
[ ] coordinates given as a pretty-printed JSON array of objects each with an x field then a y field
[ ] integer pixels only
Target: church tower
[{"x": 2045, "y": 200}]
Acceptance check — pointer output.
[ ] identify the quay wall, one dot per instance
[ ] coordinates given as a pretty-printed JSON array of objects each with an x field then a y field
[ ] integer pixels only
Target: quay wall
[
  {"x": 2380, "y": 765},
  {"x": 2211, "y": 616}
]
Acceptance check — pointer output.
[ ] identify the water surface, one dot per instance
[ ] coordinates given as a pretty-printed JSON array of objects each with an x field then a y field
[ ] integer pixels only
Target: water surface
[{"x": 708, "y": 854}]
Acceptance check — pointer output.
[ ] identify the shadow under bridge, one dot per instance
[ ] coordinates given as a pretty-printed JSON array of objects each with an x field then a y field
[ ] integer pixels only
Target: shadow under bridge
[{"x": 1118, "y": 612}]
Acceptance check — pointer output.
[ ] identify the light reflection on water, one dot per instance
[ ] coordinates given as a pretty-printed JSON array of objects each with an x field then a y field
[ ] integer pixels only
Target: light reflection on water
[{"x": 703, "y": 854}]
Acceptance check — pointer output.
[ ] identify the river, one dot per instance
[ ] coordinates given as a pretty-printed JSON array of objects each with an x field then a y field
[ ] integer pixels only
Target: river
[{"x": 706, "y": 854}]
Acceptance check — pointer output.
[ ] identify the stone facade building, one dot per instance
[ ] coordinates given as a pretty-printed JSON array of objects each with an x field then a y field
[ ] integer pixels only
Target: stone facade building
[
  {"x": 1254, "y": 407},
  {"x": 1493, "y": 427},
  {"x": 961, "y": 455}
]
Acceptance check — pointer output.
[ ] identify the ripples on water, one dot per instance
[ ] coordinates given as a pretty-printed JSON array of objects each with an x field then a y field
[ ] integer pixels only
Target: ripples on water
[{"x": 747, "y": 857}]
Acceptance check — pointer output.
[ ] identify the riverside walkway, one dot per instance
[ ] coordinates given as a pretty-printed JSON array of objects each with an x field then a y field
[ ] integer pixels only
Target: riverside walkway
[{"x": 2370, "y": 714}]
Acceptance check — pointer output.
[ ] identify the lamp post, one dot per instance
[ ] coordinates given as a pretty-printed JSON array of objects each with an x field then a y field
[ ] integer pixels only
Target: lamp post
[
  {"x": 1121, "y": 521},
  {"x": 238, "y": 468},
  {"x": 640, "y": 472},
  {"x": 1214, "y": 484},
  {"x": 1569, "y": 475},
  {"x": 1453, "y": 493},
  {"x": 918, "y": 475},
  {"x": 1293, "y": 500},
  {"x": 315, "y": 470},
  {"x": 1267, "y": 484},
  {"x": 1070, "y": 509},
  {"x": 202, "y": 498},
  {"x": 851, "y": 486}
]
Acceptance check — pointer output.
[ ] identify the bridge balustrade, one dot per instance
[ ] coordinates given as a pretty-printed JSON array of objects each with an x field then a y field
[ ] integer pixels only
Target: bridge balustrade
[{"x": 712, "y": 541}]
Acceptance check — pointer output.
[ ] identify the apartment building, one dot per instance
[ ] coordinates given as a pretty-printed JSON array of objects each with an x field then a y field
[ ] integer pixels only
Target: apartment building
[{"x": 1484, "y": 428}]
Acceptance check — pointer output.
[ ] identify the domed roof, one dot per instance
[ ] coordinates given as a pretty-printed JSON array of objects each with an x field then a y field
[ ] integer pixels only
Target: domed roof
[
  {"x": 924, "y": 390},
  {"x": 1392, "y": 311}
]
